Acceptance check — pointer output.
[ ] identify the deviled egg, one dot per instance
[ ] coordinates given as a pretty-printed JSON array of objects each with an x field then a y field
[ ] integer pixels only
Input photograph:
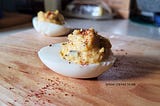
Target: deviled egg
[
  {"x": 50, "y": 23},
  {"x": 85, "y": 55}
]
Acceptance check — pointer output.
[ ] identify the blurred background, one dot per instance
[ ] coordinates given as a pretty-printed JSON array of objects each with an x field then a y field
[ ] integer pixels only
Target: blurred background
[{"x": 144, "y": 12}]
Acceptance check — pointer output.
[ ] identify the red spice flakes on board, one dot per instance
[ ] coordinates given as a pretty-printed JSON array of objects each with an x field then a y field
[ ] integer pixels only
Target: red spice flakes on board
[
  {"x": 10, "y": 88},
  {"x": 9, "y": 67},
  {"x": 43, "y": 102},
  {"x": 26, "y": 100},
  {"x": 66, "y": 94},
  {"x": 38, "y": 95},
  {"x": 52, "y": 88},
  {"x": 49, "y": 101},
  {"x": 121, "y": 49},
  {"x": 31, "y": 90},
  {"x": 50, "y": 80}
]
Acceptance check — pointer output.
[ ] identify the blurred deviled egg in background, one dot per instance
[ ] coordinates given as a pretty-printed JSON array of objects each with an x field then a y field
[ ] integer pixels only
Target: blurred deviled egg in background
[{"x": 50, "y": 23}]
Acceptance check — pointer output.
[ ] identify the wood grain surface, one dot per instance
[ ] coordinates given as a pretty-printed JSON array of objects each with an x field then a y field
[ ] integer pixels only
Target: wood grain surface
[{"x": 134, "y": 80}]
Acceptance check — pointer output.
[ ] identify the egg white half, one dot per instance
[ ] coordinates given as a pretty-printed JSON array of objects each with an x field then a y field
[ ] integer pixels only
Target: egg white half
[
  {"x": 49, "y": 55},
  {"x": 49, "y": 29}
]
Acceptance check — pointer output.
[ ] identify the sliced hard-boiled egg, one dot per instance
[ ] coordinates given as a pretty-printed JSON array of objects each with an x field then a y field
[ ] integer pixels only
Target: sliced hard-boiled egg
[
  {"x": 49, "y": 29},
  {"x": 49, "y": 55}
]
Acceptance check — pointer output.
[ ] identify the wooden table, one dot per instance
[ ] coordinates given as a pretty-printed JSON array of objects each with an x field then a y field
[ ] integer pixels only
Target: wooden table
[{"x": 134, "y": 80}]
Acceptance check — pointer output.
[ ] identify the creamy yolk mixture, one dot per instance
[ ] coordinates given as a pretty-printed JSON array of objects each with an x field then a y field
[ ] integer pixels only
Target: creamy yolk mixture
[
  {"x": 51, "y": 16},
  {"x": 85, "y": 47}
]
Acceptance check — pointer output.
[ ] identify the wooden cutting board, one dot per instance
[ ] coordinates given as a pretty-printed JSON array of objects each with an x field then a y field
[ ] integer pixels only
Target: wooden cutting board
[{"x": 134, "y": 80}]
